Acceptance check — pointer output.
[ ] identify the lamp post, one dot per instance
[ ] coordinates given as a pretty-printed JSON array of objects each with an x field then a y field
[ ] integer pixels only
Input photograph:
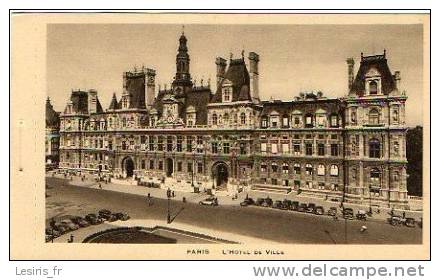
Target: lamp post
[
  {"x": 192, "y": 169},
  {"x": 168, "y": 208}
]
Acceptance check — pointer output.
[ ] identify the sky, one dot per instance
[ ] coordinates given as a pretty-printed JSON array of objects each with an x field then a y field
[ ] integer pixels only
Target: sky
[{"x": 293, "y": 58}]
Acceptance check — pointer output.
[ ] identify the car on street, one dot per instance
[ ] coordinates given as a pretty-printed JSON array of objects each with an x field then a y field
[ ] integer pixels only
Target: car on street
[
  {"x": 52, "y": 232},
  {"x": 410, "y": 222},
  {"x": 122, "y": 216},
  {"x": 348, "y": 213},
  {"x": 247, "y": 201},
  {"x": 333, "y": 211},
  {"x": 61, "y": 228},
  {"x": 294, "y": 206},
  {"x": 361, "y": 215},
  {"x": 105, "y": 215},
  {"x": 302, "y": 207},
  {"x": 259, "y": 201},
  {"x": 286, "y": 204},
  {"x": 319, "y": 210},
  {"x": 311, "y": 208},
  {"x": 267, "y": 202},
  {"x": 93, "y": 219},
  {"x": 278, "y": 204},
  {"x": 210, "y": 201},
  {"x": 82, "y": 222}
]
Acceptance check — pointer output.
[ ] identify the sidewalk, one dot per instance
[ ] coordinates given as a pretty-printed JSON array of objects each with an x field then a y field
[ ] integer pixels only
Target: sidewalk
[{"x": 227, "y": 200}]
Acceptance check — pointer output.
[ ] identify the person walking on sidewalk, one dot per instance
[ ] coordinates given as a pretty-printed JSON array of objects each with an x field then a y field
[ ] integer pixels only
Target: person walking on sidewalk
[
  {"x": 99, "y": 186},
  {"x": 149, "y": 199}
]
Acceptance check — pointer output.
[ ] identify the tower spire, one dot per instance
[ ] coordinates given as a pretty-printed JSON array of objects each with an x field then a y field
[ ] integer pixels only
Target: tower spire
[{"x": 183, "y": 77}]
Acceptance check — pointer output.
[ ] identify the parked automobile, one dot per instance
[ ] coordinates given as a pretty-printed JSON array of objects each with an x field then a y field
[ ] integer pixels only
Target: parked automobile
[
  {"x": 410, "y": 222},
  {"x": 211, "y": 201},
  {"x": 311, "y": 208},
  {"x": 80, "y": 221},
  {"x": 294, "y": 206},
  {"x": 69, "y": 224},
  {"x": 267, "y": 202},
  {"x": 302, "y": 207},
  {"x": 122, "y": 216},
  {"x": 361, "y": 215},
  {"x": 93, "y": 219},
  {"x": 52, "y": 232},
  {"x": 348, "y": 213},
  {"x": 278, "y": 204},
  {"x": 286, "y": 204},
  {"x": 319, "y": 210},
  {"x": 104, "y": 214},
  {"x": 247, "y": 201},
  {"x": 400, "y": 221},
  {"x": 61, "y": 228},
  {"x": 259, "y": 201},
  {"x": 333, "y": 211}
]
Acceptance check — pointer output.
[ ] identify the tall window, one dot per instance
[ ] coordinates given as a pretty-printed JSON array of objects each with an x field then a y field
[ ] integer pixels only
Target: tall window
[
  {"x": 309, "y": 149},
  {"x": 309, "y": 120},
  {"x": 263, "y": 147},
  {"x": 296, "y": 149},
  {"x": 334, "y": 170},
  {"x": 321, "y": 149},
  {"x": 321, "y": 170},
  {"x": 243, "y": 118},
  {"x": 374, "y": 146},
  {"x": 214, "y": 119},
  {"x": 285, "y": 168},
  {"x": 169, "y": 143},
  {"x": 274, "y": 167},
  {"x": 200, "y": 144},
  {"x": 242, "y": 148},
  {"x": 214, "y": 147},
  {"x": 189, "y": 143},
  {"x": 151, "y": 143},
  {"x": 160, "y": 143},
  {"x": 334, "y": 120},
  {"x": 264, "y": 122},
  {"x": 227, "y": 94},
  {"x": 226, "y": 119},
  {"x": 375, "y": 181},
  {"x": 226, "y": 147},
  {"x": 297, "y": 168},
  {"x": 285, "y": 121},
  {"x": 274, "y": 120},
  {"x": 179, "y": 143},
  {"x": 373, "y": 116},
  {"x": 309, "y": 169},
  {"x": 334, "y": 150},
  {"x": 373, "y": 87}
]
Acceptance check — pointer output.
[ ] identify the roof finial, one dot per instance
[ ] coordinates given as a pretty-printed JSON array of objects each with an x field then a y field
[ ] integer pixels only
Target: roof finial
[
  {"x": 384, "y": 53},
  {"x": 242, "y": 53},
  {"x": 183, "y": 29},
  {"x": 230, "y": 55}
]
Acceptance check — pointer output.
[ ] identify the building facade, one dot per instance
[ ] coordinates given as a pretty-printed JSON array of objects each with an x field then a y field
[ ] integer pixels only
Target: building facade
[
  {"x": 52, "y": 136},
  {"x": 228, "y": 140}
]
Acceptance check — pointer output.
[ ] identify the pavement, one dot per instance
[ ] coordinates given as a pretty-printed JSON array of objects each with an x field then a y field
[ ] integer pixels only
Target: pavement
[
  {"x": 227, "y": 221},
  {"x": 379, "y": 213}
]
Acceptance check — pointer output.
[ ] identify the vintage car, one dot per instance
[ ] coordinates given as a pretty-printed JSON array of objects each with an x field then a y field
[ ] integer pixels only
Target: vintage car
[
  {"x": 286, "y": 204},
  {"x": 80, "y": 221},
  {"x": 247, "y": 201},
  {"x": 319, "y": 210},
  {"x": 348, "y": 213},
  {"x": 311, "y": 208},
  {"x": 69, "y": 224},
  {"x": 294, "y": 206},
  {"x": 93, "y": 219},
  {"x": 361, "y": 215},
  {"x": 210, "y": 201},
  {"x": 267, "y": 202},
  {"x": 333, "y": 211},
  {"x": 302, "y": 207},
  {"x": 121, "y": 216},
  {"x": 278, "y": 204}
]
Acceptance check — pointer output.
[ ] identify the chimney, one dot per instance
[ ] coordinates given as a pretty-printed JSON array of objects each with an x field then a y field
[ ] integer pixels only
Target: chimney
[
  {"x": 92, "y": 100},
  {"x": 397, "y": 80},
  {"x": 350, "y": 64},
  {"x": 254, "y": 58},
  {"x": 221, "y": 69},
  {"x": 151, "y": 87}
]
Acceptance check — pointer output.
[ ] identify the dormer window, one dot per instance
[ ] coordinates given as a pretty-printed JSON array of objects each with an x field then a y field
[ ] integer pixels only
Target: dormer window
[
  {"x": 264, "y": 121},
  {"x": 309, "y": 120},
  {"x": 227, "y": 93}
]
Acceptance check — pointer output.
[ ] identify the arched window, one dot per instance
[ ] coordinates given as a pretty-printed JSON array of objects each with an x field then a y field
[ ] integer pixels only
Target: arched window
[
  {"x": 214, "y": 119},
  {"x": 373, "y": 116},
  {"x": 264, "y": 121},
  {"x": 374, "y": 146},
  {"x": 285, "y": 168},
  {"x": 274, "y": 167},
  {"x": 373, "y": 87},
  {"x": 243, "y": 118},
  {"x": 321, "y": 170},
  {"x": 309, "y": 169},
  {"x": 226, "y": 119},
  {"x": 297, "y": 168},
  {"x": 334, "y": 170}
]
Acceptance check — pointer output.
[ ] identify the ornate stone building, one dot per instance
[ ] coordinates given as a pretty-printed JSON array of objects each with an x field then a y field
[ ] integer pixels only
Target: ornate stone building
[
  {"x": 227, "y": 140},
  {"x": 52, "y": 136}
]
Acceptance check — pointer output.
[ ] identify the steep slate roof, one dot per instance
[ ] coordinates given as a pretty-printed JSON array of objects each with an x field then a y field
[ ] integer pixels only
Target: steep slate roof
[
  {"x": 80, "y": 101},
  {"x": 98, "y": 106},
  {"x": 199, "y": 99},
  {"x": 114, "y": 103},
  {"x": 380, "y": 63},
  {"x": 52, "y": 118},
  {"x": 238, "y": 74}
]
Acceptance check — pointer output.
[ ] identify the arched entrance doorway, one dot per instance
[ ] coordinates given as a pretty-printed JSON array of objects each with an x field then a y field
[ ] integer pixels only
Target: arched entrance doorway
[
  {"x": 128, "y": 167},
  {"x": 170, "y": 167},
  {"x": 220, "y": 174}
]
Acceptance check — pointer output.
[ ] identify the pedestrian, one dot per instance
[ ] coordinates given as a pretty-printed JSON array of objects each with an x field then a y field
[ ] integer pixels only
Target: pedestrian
[
  {"x": 184, "y": 199},
  {"x": 363, "y": 228},
  {"x": 70, "y": 240},
  {"x": 174, "y": 195},
  {"x": 99, "y": 186},
  {"x": 403, "y": 214},
  {"x": 149, "y": 199}
]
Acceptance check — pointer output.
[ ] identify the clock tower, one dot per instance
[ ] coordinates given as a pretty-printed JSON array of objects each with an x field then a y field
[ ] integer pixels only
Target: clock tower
[{"x": 182, "y": 81}]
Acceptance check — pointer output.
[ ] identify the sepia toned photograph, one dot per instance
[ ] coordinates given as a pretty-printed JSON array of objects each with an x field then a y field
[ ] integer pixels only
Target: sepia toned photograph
[{"x": 207, "y": 137}]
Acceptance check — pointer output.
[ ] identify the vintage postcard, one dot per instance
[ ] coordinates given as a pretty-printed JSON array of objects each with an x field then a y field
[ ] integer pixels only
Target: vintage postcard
[{"x": 220, "y": 136}]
